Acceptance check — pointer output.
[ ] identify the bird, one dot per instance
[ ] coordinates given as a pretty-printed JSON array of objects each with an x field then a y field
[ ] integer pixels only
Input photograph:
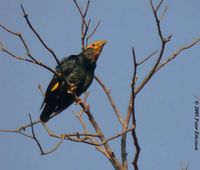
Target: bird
[{"x": 78, "y": 73}]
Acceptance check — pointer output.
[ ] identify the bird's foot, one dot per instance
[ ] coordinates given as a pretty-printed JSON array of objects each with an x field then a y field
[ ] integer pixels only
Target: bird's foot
[
  {"x": 78, "y": 100},
  {"x": 71, "y": 88}
]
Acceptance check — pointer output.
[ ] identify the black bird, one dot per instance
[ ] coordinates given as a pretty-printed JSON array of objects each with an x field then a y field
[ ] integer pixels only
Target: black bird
[{"x": 78, "y": 72}]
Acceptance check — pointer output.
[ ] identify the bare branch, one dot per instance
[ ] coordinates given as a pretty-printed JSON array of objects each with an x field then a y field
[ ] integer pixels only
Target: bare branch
[
  {"x": 157, "y": 8},
  {"x": 86, "y": 9},
  {"x": 24, "y": 127},
  {"x": 19, "y": 35},
  {"x": 163, "y": 45},
  {"x": 93, "y": 32},
  {"x": 132, "y": 96},
  {"x": 83, "y": 137},
  {"x": 112, "y": 103},
  {"x": 43, "y": 43},
  {"x": 72, "y": 137},
  {"x": 118, "y": 135},
  {"x": 147, "y": 58},
  {"x": 156, "y": 18},
  {"x": 137, "y": 146},
  {"x": 41, "y": 91},
  {"x": 123, "y": 151},
  {"x": 16, "y": 131},
  {"x": 34, "y": 137},
  {"x": 81, "y": 13},
  {"x": 28, "y": 60},
  {"x": 54, "y": 148},
  {"x": 132, "y": 110},
  {"x": 108, "y": 149},
  {"x": 178, "y": 52},
  {"x": 28, "y": 53},
  {"x": 85, "y": 25},
  {"x": 86, "y": 131}
]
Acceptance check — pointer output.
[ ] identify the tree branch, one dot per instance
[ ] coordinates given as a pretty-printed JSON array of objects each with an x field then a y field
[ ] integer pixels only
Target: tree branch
[
  {"x": 178, "y": 52},
  {"x": 41, "y": 40},
  {"x": 147, "y": 58},
  {"x": 34, "y": 137},
  {"x": 112, "y": 103},
  {"x": 85, "y": 25},
  {"x": 28, "y": 53},
  {"x": 163, "y": 45}
]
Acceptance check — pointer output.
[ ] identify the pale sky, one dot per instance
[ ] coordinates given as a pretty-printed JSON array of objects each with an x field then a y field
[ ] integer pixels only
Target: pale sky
[{"x": 164, "y": 108}]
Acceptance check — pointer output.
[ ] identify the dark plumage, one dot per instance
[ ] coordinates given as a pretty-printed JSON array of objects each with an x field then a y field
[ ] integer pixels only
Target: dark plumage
[{"x": 79, "y": 72}]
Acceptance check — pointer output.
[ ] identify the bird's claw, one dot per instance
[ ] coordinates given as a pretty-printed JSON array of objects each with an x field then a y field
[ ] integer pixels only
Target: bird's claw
[{"x": 71, "y": 88}]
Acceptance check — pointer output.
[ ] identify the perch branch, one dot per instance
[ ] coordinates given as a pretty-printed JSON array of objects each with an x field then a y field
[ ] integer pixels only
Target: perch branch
[{"x": 108, "y": 149}]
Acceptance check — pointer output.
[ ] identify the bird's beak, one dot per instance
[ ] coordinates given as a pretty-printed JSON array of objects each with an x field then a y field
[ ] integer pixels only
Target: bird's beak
[
  {"x": 100, "y": 43},
  {"x": 97, "y": 44},
  {"x": 97, "y": 47}
]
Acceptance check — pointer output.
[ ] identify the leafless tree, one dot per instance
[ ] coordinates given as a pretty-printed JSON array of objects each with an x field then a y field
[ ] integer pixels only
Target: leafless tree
[{"x": 127, "y": 124}]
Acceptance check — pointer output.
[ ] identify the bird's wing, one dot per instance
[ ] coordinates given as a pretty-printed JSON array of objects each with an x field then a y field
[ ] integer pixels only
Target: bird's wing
[{"x": 67, "y": 65}]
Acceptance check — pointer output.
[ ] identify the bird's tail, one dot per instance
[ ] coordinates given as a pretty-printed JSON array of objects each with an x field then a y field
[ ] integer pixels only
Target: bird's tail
[{"x": 46, "y": 114}]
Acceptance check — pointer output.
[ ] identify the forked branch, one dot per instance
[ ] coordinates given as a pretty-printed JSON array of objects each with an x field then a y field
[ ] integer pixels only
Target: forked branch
[{"x": 85, "y": 25}]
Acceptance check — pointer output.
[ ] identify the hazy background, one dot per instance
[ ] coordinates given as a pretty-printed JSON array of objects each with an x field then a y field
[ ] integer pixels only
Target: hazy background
[{"x": 164, "y": 108}]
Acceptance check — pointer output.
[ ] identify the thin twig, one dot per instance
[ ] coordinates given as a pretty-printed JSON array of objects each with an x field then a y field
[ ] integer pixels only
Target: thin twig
[
  {"x": 81, "y": 13},
  {"x": 19, "y": 35},
  {"x": 178, "y": 52},
  {"x": 107, "y": 92},
  {"x": 147, "y": 58},
  {"x": 85, "y": 24},
  {"x": 41, "y": 91},
  {"x": 163, "y": 45},
  {"x": 93, "y": 32},
  {"x": 76, "y": 137},
  {"x": 34, "y": 136},
  {"x": 28, "y": 60},
  {"x": 28, "y": 53},
  {"x": 24, "y": 127},
  {"x": 16, "y": 131},
  {"x": 133, "y": 86},
  {"x": 43, "y": 43},
  {"x": 158, "y": 6},
  {"x": 53, "y": 149},
  {"x": 132, "y": 95}
]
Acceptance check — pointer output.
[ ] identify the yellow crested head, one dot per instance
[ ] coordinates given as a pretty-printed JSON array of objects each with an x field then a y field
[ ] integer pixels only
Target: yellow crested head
[{"x": 94, "y": 49}]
